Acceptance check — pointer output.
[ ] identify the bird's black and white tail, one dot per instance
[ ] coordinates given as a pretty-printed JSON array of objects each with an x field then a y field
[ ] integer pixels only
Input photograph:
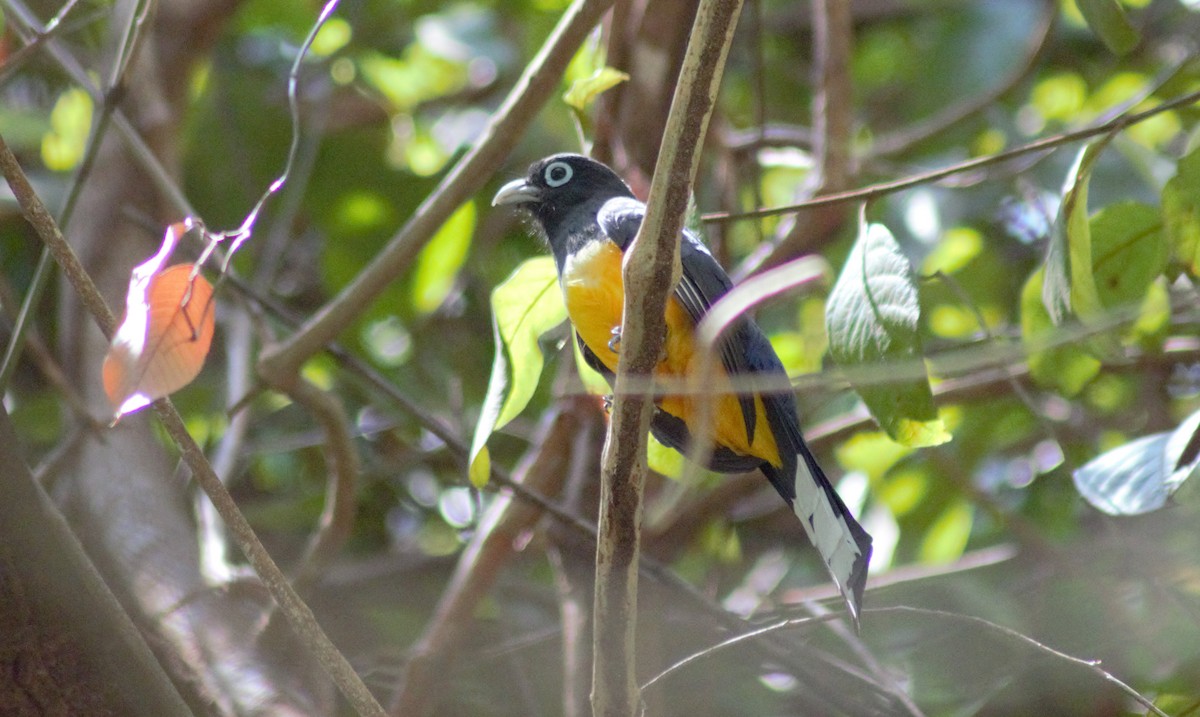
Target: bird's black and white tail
[{"x": 842, "y": 543}]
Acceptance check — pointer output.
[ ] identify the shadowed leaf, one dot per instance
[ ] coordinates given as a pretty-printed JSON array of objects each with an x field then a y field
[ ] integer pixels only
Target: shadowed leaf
[
  {"x": 872, "y": 318},
  {"x": 1107, "y": 19}
]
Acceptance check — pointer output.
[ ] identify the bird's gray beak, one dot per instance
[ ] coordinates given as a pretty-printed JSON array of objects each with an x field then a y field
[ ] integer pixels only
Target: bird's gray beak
[{"x": 517, "y": 191}]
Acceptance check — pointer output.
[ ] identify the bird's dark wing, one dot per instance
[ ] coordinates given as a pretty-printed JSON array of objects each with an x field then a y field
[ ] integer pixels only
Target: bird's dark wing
[{"x": 703, "y": 281}]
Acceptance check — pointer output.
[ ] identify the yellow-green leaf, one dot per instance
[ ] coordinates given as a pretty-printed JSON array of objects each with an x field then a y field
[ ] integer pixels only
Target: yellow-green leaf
[
  {"x": 525, "y": 306},
  {"x": 439, "y": 262},
  {"x": 584, "y": 92},
  {"x": 70, "y": 124},
  {"x": 947, "y": 537},
  {"x": 1069, "y": 286},
  {"x": 1067, "y": 367},
  {"x": 1181, "y": 212}
]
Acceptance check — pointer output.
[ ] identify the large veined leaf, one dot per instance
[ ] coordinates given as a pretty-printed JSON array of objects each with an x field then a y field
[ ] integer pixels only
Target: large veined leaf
[
  {"x": 872, "y": 317},
  {"x": 1181, "y": 212},
  {"x": 1139, "y": 476},
  {"x": 527, "y": 305},
  {"x": 1128, "y": 252}
]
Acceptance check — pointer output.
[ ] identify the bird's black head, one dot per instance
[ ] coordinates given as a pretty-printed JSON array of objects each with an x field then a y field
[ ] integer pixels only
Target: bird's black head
[{"x": 562, "y": 190}]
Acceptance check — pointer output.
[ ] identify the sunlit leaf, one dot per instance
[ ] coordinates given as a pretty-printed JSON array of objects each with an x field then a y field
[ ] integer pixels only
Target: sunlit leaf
[
  {"x": 162, "y": 341},
  {"x": 872, "y": 317},
  {"x": 70, "y": 125},
  {"x": 956, "y": 248},
  {"x": 1107, "y": 19},
  {"x": 439, "y": 262},
  {"x": 333, "y": 36},
  {"x": 664, "y": 460},
  {"x": 527, "y": 305},
  {"x": 1181, "y": 212},
  {"x": 584, "y": 92},
  {"x": 1067, "y": 367},
  {"x": 947, "y": 537},
  {"x": 1139, "y": 476},
  {"x": 870, "y": 453},
  {"x": 903, "y": 492}
]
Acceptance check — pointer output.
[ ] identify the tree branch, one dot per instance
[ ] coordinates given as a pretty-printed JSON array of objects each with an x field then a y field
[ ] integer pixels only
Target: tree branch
[
  {"x": 651, "y": 270},
  {"x": 881, "y": 189},
  {"x": 279, "y": 364},
  {"x": 298, "y": 614}
]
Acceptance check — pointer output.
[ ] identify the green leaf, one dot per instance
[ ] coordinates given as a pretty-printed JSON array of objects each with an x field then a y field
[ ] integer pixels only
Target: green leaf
[
  {"x": 591, "y": 379},
  {"x": 584, "y": 92},
  {"x": 872, "y": 317},
  {"x": 439, "y": 262},
  {"x": 525, "y": 306},
  {"x": 663, "y": 460},
  {"x": 1128, "y": 252},
  {"x": 1139, "y": 476},
  {"x": 1181, "y": 212},
  {"x": 1069, "y": 286},
  {"x": 1107, "y": 19},
  {"x": 947, "y": 537},
  {"x": 70, "y": 124},
  {"x": 1067, "y": 368}
]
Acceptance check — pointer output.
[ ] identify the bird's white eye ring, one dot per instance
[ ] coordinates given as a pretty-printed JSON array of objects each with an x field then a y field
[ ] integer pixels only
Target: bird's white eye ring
[{"x": 558, "y": 174}]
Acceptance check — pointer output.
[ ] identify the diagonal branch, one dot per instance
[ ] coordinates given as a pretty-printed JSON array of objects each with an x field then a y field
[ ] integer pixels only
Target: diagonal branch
[
  {"x": 298, "y": 614},
  {"x": 279, "y": 364}
]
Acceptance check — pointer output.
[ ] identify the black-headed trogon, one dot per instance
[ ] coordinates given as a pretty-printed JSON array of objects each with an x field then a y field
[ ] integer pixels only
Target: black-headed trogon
[{"x": 589, "y": 216}]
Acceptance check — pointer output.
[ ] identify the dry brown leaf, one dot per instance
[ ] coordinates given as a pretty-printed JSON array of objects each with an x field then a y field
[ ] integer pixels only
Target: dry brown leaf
[{"x": 165, "y": 334}]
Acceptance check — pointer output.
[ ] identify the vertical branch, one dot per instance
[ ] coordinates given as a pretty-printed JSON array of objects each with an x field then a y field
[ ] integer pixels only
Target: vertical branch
[
  {"x": 651, "y": 269},
  {"x": 833, "y": 127},
  {"x": 833, "y": 115},
  {"x": 543, "y": 469}
]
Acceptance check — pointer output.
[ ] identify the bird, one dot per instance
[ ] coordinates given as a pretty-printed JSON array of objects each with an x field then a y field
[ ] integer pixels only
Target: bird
[{"x": 588, "y": 217}]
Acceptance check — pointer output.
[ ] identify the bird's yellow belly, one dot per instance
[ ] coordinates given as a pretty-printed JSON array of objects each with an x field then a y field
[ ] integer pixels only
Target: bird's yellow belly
[{"x": 594, "y": 294}]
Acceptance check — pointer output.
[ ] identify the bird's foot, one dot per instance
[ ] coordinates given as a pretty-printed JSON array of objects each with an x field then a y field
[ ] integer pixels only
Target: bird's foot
[
  {"x": 608, "y": 402},
  {"x": 615, "y": 342}
]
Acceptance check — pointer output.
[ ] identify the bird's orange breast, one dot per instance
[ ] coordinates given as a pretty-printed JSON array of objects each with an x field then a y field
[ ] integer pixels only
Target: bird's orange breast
[{"x": 594, "y": 294}]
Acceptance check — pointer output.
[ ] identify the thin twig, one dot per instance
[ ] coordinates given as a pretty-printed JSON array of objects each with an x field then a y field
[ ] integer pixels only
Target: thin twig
[
  {"x": 342, "y": 465},
  {"x": 1091, "y": 665},
  {"x": 55, "y": 26},
  {"x": 881, "y": 189},
  {"x": 543, "y": 469},
  {"x": 23, "y": 21},
  {"x": 298, "y": 614},
  {"x": 540, "y": 79},
  {"x": 737, "y": 640},
  {"x": 901, "y": 140},
  {"x": 41, "y": 274}
]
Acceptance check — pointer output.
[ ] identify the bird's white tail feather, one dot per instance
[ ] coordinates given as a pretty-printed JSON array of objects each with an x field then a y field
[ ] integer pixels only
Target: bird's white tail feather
[{"x": 832, "y": 535}]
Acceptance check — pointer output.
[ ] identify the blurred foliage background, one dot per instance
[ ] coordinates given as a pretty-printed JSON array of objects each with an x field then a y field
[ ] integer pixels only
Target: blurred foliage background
[{"x": 989, "y": 524}]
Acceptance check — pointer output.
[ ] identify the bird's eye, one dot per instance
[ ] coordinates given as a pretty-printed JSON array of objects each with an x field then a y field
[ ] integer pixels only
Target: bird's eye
[{"x": 558, "y": 174}]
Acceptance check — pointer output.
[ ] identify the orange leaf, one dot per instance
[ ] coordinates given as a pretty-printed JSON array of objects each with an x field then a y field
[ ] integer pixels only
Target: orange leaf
[{"x": 163, "y": 338}]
